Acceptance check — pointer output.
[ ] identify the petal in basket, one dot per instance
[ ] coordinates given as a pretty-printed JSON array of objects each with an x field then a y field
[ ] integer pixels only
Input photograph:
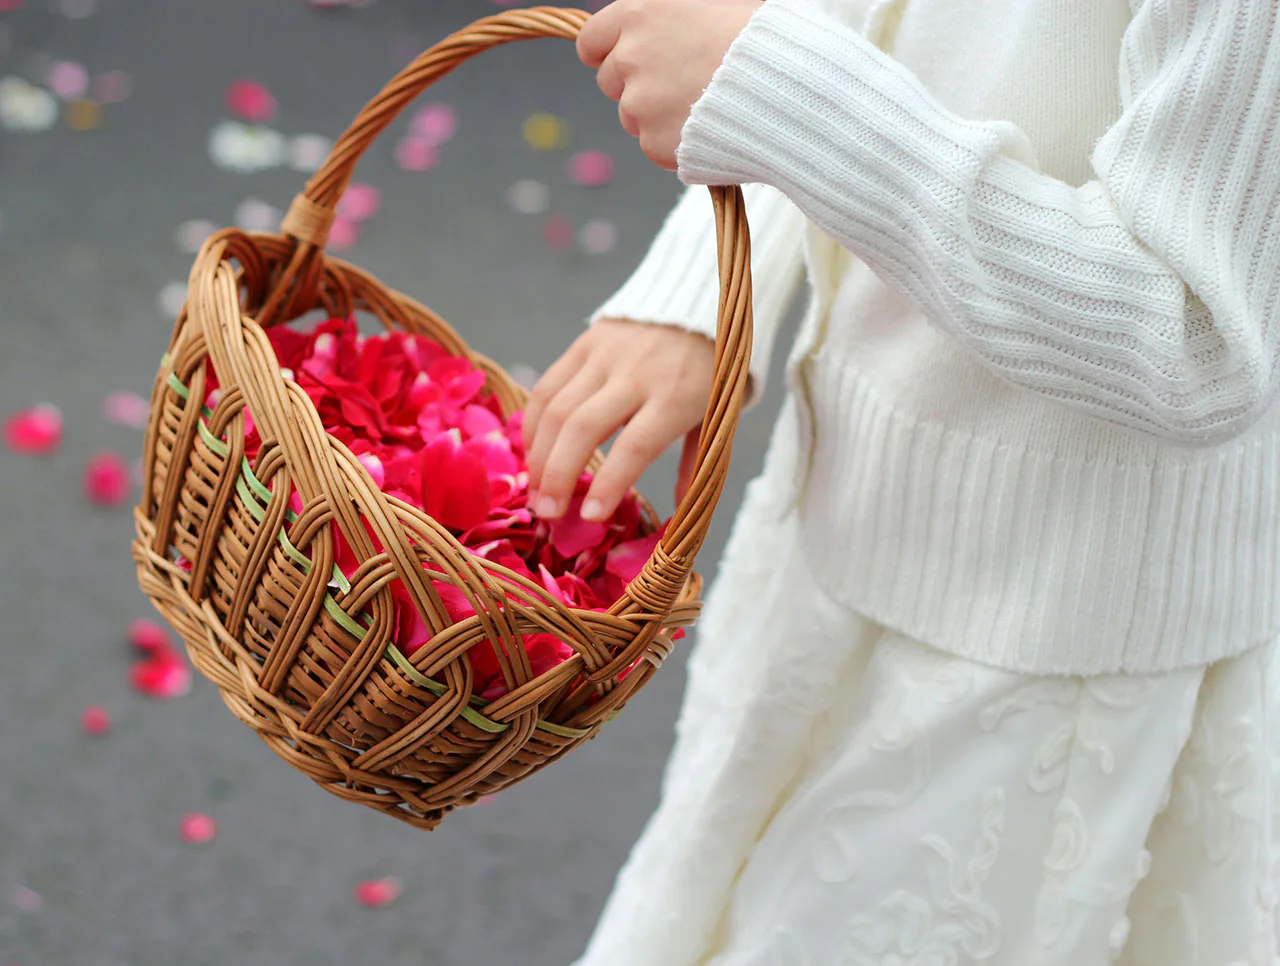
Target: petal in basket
[{"x": 335, "y": 524}]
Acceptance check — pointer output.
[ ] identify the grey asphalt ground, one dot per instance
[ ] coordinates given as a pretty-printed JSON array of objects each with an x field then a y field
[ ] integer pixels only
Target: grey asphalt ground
[{"x": 91, "y": 825}]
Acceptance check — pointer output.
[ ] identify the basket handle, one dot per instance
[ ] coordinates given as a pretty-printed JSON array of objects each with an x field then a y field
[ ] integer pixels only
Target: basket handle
[{"x": 313, "y": 211}]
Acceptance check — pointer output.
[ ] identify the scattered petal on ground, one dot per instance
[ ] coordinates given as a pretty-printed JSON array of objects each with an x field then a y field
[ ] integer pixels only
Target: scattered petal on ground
[
  {"x": 197, "y": 829},
  {"x": 247, "y": 148},
  {"x": 416, "y": 154},
  {"x": 591, "y": 169},
  {"x": 95, "y": 720},
  {"x": 83, "y": 115},
  {"x": 251, "y": 101},
  {"x": 434, "y": 123},
  {"x": 171, "y": 299},
  {"x": 191, "y": 235},
  {"x": 34, "y": 431},
  {"x": 545, "y": 132},
  {"x": 360, "y": 202},
  {"x": 106, "y": 479},
  {"x": 598, "y": 236},
  {"x": 529, "y": 197},
  {"x": 68, "y": 79},
  {"x": 557, "y": 233},
  {"x": 7, "y": 5},
  {"x": 126, "y": 408},
  {"x": 254, "y": 214},
  {"x": 164, "y": 675},
  {"x": 308, "y": 151},
  {"x": 28, "y": 900},
  {"x": 378, "y": 892},
  {"x": 112, "y": 87},
  {"x": 25, "y": 107},
  {"x": 524, "y": 375},
  {"x": 343, "y": 234},
  {"x": 149, "y": 636}
]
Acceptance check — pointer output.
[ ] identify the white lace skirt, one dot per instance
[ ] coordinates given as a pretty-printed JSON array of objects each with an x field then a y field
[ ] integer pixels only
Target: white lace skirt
[{"x": 840, "y": 795}]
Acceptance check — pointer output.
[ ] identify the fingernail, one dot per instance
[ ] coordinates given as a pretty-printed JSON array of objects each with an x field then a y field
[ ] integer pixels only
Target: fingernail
[
  {"x": 532, "y": 500},
  {"x": 592, "y": 510},
  {"x": 545, "y": 507}
]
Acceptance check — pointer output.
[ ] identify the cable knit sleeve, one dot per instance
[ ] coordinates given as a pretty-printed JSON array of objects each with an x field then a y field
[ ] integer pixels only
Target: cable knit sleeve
[
  {"x": 678, "y": 282},
  {"x": 1149, "y": 296}
]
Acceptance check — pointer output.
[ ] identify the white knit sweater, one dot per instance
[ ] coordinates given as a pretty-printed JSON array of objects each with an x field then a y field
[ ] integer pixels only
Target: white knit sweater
[{"x": 1035, "y": 388}]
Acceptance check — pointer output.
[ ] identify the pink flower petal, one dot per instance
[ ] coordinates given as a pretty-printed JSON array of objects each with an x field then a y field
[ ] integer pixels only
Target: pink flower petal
[
  {"x": 343, "y": 234},
  {"x": 28, "y": 900},
  {"x": 68, "y": 80},
  {"x": 416, "y": 154},
  {"x": 197, "y": 829},
  {"x": 378, "y": 892},
  {"x": 591, "y": 169},
  {"x": 372, "y": 463},
  {"x": 557, "y": 233},
  {"x": 112, "y": 87},
  {"x": 251, "y": 101},
  {"x": 95, "y": 720},
  {"x": 360, "y": 202},
  {"x": 164, "y": 676},
  {"x": 434, "y": 123},
  {"x": 149, "y": 636},
  {"x": 35, "y": 431},
  {"x": 106, "y": 479},
  {"x": 125, "y": 408}
]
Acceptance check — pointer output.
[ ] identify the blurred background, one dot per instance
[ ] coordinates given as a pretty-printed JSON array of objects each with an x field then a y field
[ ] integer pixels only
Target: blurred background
[{"x": 510, "y": 202}]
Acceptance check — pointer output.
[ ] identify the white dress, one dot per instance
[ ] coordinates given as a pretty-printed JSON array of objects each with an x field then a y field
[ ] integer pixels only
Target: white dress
[{"x": 906, "y": 808}]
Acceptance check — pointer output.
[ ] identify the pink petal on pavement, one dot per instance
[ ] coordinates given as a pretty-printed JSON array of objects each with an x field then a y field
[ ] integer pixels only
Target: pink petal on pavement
[
  {"x": 106, "y": 479},
  {"x": 28, "y": 900},
  {"x": 378, "y": 892},
  {"x": 112, "y": 87},
  {"x": 95, "y": 720},
  {"x": 35, "y": 431},
  {"x": 251, "y": 101},
  {"x": 149, "y": 636},
  {"x": 126, "y": 408},
  {"x": 68, "y": 80},
  {"x": 165, "y": 676},
  {"x": 343, "y": 233},
  {"x": 434, "y": 123},
  {"x": 557, "y": 233},
  {"x": 417, "y": 154},
  {"x": 360, "y": 202},
  {"x": 591, "y": 169},
  {"x": 197, "y": 829}
]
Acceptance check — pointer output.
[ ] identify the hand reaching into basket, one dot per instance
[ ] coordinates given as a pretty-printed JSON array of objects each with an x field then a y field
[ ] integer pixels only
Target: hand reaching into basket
[
  {"x": 656, "y": 57},
  {"x": 650, "y": 381}
]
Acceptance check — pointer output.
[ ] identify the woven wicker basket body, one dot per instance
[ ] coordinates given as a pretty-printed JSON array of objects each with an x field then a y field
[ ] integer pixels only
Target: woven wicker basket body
[{"x": 305, "y": 654}]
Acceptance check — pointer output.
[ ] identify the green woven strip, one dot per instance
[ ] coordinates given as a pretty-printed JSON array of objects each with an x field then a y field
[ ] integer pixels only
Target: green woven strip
[
  {"x": 215, "y": 444},
  {"x": 560, "y": 730},
  {"x": 253, "y": 506},
  {"x": 176, "y": 385},
  {"x": 255, "y": 484}
]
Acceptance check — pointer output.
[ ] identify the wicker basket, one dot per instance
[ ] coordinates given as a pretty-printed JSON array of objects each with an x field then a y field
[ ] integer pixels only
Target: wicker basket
[{"x": 303, "y": 653}]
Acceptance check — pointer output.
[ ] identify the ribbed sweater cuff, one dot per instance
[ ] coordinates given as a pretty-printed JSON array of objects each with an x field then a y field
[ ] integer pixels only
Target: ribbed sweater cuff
[{"x": 794, "y": 69}]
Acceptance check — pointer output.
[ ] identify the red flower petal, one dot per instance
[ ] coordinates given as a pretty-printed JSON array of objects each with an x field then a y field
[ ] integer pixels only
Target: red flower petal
[
  {"x": 95, "y": 720},
  {"x": 106, "y": 479},
  {"x": 35, "y": 431},
  {"x": 557, "y": 233},
  {"x": 164, "y": 676},
  {"x": 148, "y": 636},
  {"x": 250, "y": 100},
  {"x": 378, "y": 892},
  {"x": 197, "y": 829}
]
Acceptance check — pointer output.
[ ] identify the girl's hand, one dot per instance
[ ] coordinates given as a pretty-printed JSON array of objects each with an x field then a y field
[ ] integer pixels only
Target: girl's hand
[
  {"x": 656, "y": 57},
  {"x": 652, "y": 381}
]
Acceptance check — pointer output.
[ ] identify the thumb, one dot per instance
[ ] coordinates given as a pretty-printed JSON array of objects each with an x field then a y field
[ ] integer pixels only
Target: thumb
[{"x": 688, "y": 462}]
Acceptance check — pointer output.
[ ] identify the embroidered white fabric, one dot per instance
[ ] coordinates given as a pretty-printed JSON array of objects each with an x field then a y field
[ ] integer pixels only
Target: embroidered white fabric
[{"x": 842, "y": 795}]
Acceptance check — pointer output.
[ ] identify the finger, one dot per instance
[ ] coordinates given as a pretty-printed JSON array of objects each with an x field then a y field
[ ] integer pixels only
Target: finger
[
  {"x": 546, "y": 388},
  {"x": 609, "y": 79},
  {"x": 642, "y": 440},
  {"x": 583, "y": 433},
  {"x": 688, "y": 463},
  {"x": 629, "y": 122},
  {"x": 600, "y": 35},
  {"x": 566, "y": 402}
]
